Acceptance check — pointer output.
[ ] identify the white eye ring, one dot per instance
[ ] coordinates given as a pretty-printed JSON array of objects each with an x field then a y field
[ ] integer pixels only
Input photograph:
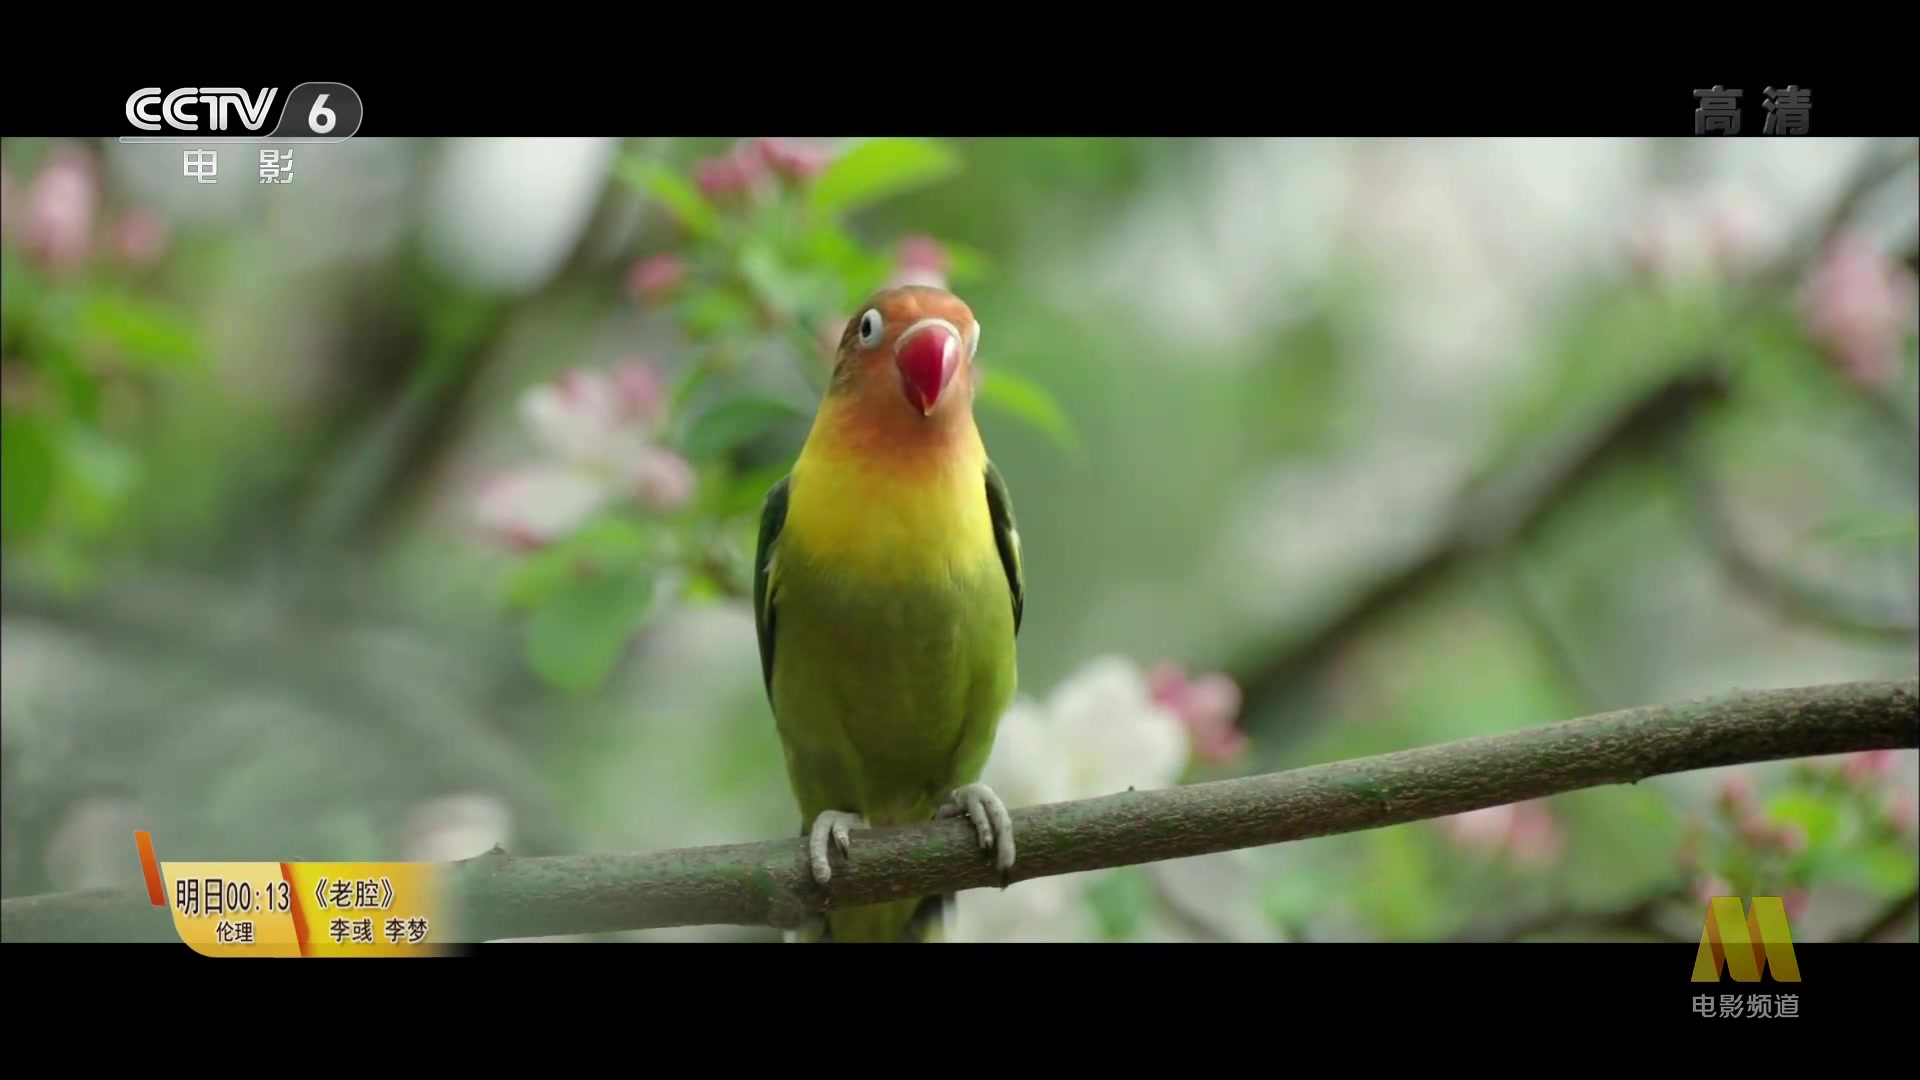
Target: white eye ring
[
  {"x": 973, "y": 345},
  {"x": 872, "y": 325}
]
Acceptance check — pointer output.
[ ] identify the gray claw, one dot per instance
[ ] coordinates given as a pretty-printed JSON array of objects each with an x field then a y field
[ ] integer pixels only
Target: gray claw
[
  {"x": 835, "y": 826},
  {"x": 990, "y": 818}
]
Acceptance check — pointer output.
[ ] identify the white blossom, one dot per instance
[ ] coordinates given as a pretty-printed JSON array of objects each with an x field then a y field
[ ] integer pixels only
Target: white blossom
[
  {"x": 457, "y": 827},
  {"x": 1101, "y": 731},
  {"x": 1695, "y": 234},
  {"x": 534, "y": 505},
  {"x": 598, "y": 432}
]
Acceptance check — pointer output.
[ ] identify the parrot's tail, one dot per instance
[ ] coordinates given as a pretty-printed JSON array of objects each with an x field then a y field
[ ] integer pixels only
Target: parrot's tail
[{"x": 925, "y": 921}]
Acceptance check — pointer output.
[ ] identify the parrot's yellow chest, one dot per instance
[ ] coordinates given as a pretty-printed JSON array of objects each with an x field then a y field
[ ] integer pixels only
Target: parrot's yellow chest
[
  {"x": 888, "y": 526},
  {"x": 894, "y": 636}
]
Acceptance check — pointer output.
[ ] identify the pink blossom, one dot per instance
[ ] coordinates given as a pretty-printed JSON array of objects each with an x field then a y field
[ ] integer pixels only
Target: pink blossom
[
  {"x": 649, "y": 280},
  {"x": 1903, "y": 812},
  {"x": 641, "y": 390},
  {"x": 662, "y": 480},
  {"x": 598, "y": 434},
  {"x": 793, "y": 161},
  {"x": 1525, "y": 832},
  {"x": 61, "y": 205},
  {"x": 1704, "y": 234},
  {"x": 720, "y": 177},
  {"x": 738, "y": 172},
  {"x": 1738, "y": 234},
  {"x": 1534, "y": 838},
  {"x": 1795, "y": 901},
  {"x": 1485, "y": 829},
  {"x": 1791, "y": 837},
  {"x": 1208, "y": 706},
  {"x": 1736, "y": 792},
  {"x": 138, "y": 238},
  {"x": 920, "y": 260},
  {"x": 922, "y": 253},
  {"x": 1755, "y": 829},
  {"x": 1868, "y": 766},
  {"x": 1710, "y": 886},
  {"x": 600, "y": 417},
  {"x": 1858, "y": 303},
  {"x": 1688, "y": 855}
]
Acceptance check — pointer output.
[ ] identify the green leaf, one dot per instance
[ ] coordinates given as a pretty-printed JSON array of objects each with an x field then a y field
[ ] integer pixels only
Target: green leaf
[
  {"x": 28, "y": 469},
  {"x": 857, "y": 271},
  {"x": 712, "y": 312},
  {"x": 66, "y": 566},
  {"x": 1881, "y": 869},
  {"x": 787, "y": 288},
  {"x": 1819, "y": 817},
  {"x": 832, "y": 247},
  {"x": 538, "y": 577},
  {"x": 1291, "y": 900},
  {"x": 101, "y": 474},
  {"x": 1120, "y": 900},
  {"x": 701, "y": 589},
  {"x": 674, "y": 191},
  {"x": 606, "y": 543},
  {"x": 966, "y": 264},
  {"x": 575, "y": 639},
  {"x": 767, "y": 275},
  {"x": 138, "y": 332},
  {"x": 22, "y": 294},
  {"x": 877, "y": 170},
  {"x": 732, "y": 422},
  {"x": 1868, "y": 527},
  {"x": 455, "y": 324},
  {"x": 1027, "y": 400},
  {"x": 77, "y": 389},
  {"x": 748, "y": 491},
  {"x": 1397, "y": 897}
]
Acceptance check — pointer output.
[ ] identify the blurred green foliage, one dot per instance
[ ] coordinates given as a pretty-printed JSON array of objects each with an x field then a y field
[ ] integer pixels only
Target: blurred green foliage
[
  {"x": 92, "y": 352},
  {"x": 776, "y": 260}
]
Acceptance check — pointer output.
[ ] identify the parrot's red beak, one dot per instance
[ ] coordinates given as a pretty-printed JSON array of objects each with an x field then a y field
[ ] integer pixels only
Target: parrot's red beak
[{"x": 928, "y": 355}]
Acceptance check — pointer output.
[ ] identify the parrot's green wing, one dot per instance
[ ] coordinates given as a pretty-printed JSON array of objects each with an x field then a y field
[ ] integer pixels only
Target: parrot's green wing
[
  {"x": 1006, "y": 537},
  {"x": 773, "y": 515}
]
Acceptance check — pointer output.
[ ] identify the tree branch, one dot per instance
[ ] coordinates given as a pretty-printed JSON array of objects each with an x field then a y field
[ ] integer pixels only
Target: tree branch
[
  {"x": 767, "y": 883},
  {"x": 1642, "y": 917},
  {"x": 1497, "y": 513},
  {"x": 1792, "y": 593}
]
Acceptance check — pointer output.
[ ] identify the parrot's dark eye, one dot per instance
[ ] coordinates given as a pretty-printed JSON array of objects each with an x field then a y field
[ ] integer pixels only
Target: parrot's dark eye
[{"x": 871, "y": 326}]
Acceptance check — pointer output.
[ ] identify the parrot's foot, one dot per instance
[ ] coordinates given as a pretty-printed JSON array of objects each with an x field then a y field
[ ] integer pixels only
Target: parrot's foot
[
  {"x": 990, "y": 819},
  {"x": 830, "y": 825}
]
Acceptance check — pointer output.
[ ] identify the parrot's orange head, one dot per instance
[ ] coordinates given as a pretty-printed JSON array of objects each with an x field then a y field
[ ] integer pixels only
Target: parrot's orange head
[{"x": 911, "y": 343}]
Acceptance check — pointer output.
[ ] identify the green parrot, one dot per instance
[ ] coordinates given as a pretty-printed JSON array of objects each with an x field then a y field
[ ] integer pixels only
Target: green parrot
[{"x": 888, "y": 593}]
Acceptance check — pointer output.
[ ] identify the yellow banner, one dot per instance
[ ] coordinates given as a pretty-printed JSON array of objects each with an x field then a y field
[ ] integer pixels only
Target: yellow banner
[
  {"x": 300, "y": 909},
  {"x": 1746, "y": 943}
]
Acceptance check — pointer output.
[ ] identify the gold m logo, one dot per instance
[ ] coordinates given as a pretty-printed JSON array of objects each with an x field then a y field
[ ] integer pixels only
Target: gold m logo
[{"x": 1745, "y": 943}]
